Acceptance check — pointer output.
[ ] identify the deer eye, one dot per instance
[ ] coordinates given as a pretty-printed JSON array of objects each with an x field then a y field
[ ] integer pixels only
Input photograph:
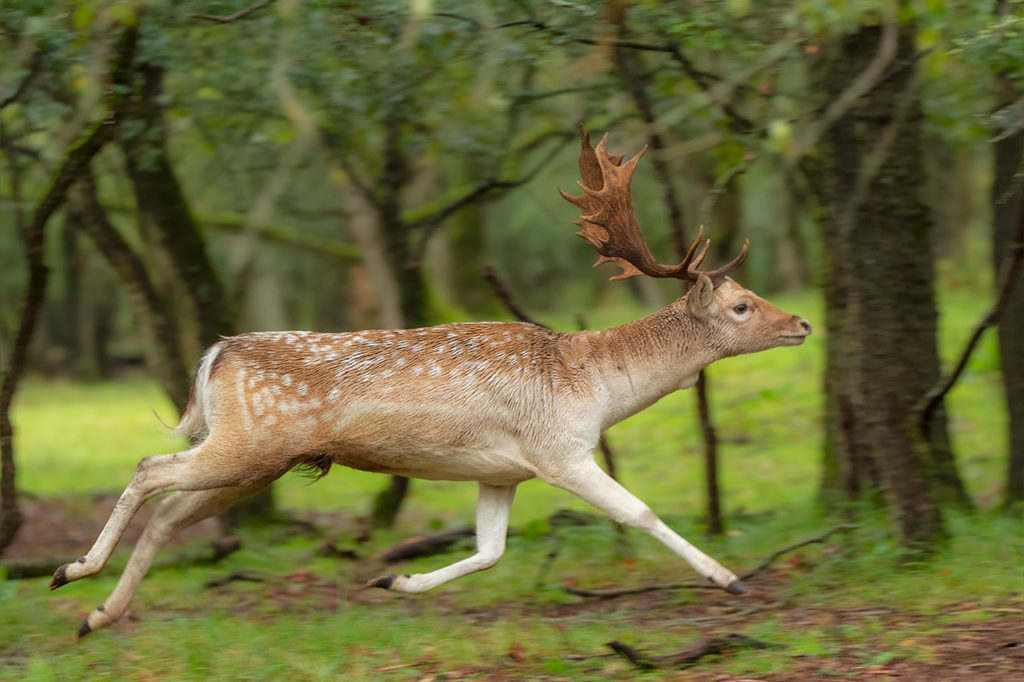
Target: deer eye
[{"x": 741, "y": 308}]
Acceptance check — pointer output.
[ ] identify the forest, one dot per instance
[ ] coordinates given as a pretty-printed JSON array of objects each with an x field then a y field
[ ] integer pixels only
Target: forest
[{"x": 173, "y": 174}]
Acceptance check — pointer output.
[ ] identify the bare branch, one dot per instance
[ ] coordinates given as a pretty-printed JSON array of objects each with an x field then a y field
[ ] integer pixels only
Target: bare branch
[
  {"x": 228, "y": 18},
  {"x": 431, "y": 222},
  {"x": 34, "y": 67},
  {"x": 702, "y": 79},
  {"x": 761, "y": 568},
  {"x": 764, "y": 565},
  {"x": 503, "y": 294},
  {"x": 354, "y": 177},
  {"x": 1010, "y": 271}
]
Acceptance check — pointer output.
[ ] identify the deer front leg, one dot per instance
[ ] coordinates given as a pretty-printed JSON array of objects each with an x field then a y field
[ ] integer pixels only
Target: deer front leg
[
  {"x": 492, "y": 511},
  {"x": 590, "y": 483},
  {"x": 177, "y": 512}
]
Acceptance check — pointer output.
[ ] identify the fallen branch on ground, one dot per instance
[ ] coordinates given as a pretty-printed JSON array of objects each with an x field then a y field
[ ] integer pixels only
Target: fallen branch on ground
[
  {"x": 606, "y": 594},
  {"x": 690, "y": 654},
  {"x": 241, "y": 576},
  {"x": 786, "y": 550},
  {"x": 425, "y": 545},
  {"x": 36, "y": 567}
]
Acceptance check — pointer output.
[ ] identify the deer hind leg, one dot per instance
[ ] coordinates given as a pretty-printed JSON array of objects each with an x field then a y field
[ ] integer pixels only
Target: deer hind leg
[
  {"x": 189, "y": 470},
  {"x": 174, "y": 514},
  {"x": 492, "y": 510},
  {"x": 591, "y": 484}
]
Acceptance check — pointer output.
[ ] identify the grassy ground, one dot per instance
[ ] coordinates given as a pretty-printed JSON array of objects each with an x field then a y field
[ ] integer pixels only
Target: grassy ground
[{"x": 850, "y": 606}]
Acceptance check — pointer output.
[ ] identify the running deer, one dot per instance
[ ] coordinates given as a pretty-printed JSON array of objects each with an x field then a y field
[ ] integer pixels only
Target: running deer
[{"x": 493, "y": 402}]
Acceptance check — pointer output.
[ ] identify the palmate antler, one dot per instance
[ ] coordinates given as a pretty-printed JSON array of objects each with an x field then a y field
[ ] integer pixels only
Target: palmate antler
[{"x": 609, "y": 224}]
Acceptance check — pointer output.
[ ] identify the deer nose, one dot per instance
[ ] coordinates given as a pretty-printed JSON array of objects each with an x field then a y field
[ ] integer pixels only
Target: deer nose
[{"x": 805, "y": 324}]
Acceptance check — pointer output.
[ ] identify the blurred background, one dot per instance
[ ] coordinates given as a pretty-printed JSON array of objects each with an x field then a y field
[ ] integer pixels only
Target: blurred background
[{"x": 175, "y": 172}]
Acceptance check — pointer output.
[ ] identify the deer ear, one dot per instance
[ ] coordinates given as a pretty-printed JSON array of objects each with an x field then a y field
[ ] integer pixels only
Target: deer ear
[{"x": 701, "y": 295}]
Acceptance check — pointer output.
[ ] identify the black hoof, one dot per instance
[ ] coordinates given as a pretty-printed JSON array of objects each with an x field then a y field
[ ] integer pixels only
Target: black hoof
[
  {"x": 736, "y": 587},
  {"x": 60, "y": 577},
  {"x": 384, "y": 582},
  {"x": 83, "y": 628}
]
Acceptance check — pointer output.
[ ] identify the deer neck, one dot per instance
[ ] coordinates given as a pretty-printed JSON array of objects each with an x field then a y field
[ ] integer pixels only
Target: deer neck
[{"x": 636, "y": 364}]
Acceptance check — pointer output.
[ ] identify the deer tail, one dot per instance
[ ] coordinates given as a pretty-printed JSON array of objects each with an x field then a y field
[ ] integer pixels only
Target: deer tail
[{"x": 193, "y": 423}]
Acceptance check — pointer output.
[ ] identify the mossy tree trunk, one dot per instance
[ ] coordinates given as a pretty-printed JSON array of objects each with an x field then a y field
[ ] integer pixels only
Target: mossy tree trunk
[
  {"x": 881, "y": 312},
  {"x": 34, "y": 238},
  {"x": 1007, "y": 214},
  {"x": 150, "y": 304}
]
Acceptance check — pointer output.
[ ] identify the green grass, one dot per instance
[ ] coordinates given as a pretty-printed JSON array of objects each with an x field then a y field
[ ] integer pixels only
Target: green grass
[{"x": 75, "y": 439}]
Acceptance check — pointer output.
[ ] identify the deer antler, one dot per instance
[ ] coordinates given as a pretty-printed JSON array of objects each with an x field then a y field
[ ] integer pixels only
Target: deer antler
[{"x": 608, "y": 223}]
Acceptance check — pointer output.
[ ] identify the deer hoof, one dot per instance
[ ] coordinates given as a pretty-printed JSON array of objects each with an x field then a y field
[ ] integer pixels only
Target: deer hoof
[
  {"x": 83, "y": 628},
  {"x": 384, "y": 582},
  {"x": 60, "y": 577},
  {"x": 736, "y": 587}
]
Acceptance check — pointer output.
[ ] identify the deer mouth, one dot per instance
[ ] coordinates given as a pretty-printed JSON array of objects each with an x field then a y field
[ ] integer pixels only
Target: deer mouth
[{"x": 792, "y": 339}]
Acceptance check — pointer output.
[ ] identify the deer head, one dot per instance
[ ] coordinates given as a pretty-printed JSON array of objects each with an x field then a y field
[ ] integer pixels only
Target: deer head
[{"x": 737, "y": 319}]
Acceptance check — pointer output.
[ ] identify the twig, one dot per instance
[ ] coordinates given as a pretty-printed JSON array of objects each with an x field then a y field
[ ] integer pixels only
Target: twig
[
  {"x": 503, "y": 294},
  {"x": 430, "y": 222},
  {"x": 228, "y": 18},
  {"x": 607, "y": 594},
  {"x": 786, "y": 550},
  {"x": 1010, "y": 271},
  {"x": 690, "y": 654},
  {"x": 34, "y": 68}
]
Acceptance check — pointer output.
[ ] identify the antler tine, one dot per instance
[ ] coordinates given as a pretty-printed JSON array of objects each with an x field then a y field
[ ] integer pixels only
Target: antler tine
[
  {"x": 694, "y": 262},
  {"x": 718, "y": 275}
]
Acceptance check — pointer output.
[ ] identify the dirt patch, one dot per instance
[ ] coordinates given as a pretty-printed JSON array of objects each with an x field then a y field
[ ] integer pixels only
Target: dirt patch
[{"x": 66, "y": 527}]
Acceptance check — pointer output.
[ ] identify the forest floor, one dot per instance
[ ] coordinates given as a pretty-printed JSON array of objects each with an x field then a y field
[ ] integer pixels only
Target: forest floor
[{"x": 877, "y": 641}]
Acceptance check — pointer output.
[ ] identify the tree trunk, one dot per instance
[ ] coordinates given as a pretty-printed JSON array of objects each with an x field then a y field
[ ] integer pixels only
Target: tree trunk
[
  {"x": 1007, "y": 214},
  {"x": 151, "y": 307},
  {"x": 161, "y": 199},
  {"x": 881, "y": 315},
  {"x": 34, "y": 238}
]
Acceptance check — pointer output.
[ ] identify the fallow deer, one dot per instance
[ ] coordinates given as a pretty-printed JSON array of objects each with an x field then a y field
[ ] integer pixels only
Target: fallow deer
[{"x": 494, "y": 402}]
